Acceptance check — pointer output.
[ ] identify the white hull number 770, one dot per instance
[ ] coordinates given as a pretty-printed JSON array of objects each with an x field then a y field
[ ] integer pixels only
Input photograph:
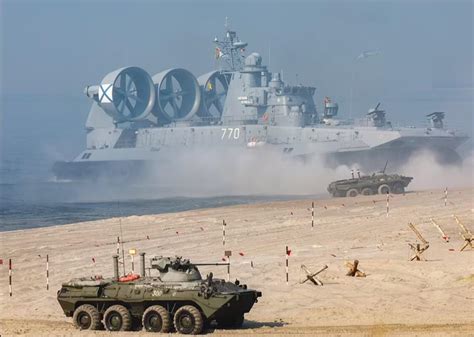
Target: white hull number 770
[{"x": 230, "y": 133}]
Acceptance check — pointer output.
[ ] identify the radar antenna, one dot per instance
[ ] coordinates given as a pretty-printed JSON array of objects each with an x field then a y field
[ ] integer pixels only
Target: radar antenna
[{"x": 230, "y": 49}]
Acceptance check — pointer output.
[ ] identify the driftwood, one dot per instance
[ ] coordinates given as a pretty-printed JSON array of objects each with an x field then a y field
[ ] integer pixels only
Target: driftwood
[
  {"x": 312, "y": 276},
  {"x": 465, "y": 234},
  {"x": 418, "y": 249},
  {"x": 353, "y": 269}
]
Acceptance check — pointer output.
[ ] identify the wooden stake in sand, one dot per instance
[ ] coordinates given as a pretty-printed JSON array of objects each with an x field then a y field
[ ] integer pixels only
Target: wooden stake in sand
[
  {"x": 353, "y": 269},
  {"x": 312, "y": 215},
  {"x": 312, "y": 276},
  {"x": 223, "y": 232},
  {"x": 443, "y": 234},
  {"x": 417, "y": 249},
  {"x": 466, "y": 235},
  {"x": 47, "y": 272},
  {"x": 10, "y": 277}
]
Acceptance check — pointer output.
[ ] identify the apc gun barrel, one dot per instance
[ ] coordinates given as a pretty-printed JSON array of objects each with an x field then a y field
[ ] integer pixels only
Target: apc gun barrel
[{"x": 211, "y": 264}]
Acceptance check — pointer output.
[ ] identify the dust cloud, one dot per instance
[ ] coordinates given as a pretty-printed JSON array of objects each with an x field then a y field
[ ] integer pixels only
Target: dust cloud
[
  {"x": 218, "y": 172},
  {"x": 429, "y": 174},
  {"x": 259, "y": 172},
  {"x": 233, "y": 172}
]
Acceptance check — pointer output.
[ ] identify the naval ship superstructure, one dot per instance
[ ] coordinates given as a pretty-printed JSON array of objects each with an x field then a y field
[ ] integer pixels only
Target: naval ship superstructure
[{"x": 137, "y": 120}]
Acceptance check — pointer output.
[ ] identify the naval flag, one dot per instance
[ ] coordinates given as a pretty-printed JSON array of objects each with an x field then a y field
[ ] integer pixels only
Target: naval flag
[{"x": 219, "y": 53}]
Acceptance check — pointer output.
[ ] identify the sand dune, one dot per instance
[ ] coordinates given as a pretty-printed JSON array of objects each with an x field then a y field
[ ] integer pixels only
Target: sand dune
[{"x": 397, "y": 298}]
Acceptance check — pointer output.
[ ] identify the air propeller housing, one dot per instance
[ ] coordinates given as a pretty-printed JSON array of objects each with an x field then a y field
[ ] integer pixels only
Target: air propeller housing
[
  {"x": 214, "y": 86},
  {"x": 126, "y": 94},
  {"x": 178, "y": 95}
]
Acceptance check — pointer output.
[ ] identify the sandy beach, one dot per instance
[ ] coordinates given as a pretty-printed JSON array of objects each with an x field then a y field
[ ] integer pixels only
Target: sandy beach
[{"x": 398, "y": 297}]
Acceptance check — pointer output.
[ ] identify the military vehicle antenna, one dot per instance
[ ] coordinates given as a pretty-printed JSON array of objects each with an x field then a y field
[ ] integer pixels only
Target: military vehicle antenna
[
  {"x": 385, "y": 167},
  {"x": 121, "y": 238},
  {"x": 121, "y": 243}
]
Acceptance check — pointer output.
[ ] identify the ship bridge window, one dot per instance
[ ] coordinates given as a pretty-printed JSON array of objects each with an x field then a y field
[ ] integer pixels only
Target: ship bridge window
[{"x": 86, "y": 155}]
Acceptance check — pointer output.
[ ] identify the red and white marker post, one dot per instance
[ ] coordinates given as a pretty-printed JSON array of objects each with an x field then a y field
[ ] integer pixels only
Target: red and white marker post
[
  {"x": 10, "y": 272},
  {"x": 446, "y": 197},
  {"x": 388, "y": 203},
  {"x": 47, "y": 272},
  {"x": 312, "y": 215},
  {"x": 223, "y": 232},
  {"x": 287, "y": 255},
  {"x": 228, "y": 254},
  {"x": 118, "y": 245}
]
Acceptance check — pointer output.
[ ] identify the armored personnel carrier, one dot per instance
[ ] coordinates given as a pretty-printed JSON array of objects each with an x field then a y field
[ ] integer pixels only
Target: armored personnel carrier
[
  {"x": 138, "y": 122},
  {"x": 177, "y": 298},
  {"x": 377, "y": 183}
]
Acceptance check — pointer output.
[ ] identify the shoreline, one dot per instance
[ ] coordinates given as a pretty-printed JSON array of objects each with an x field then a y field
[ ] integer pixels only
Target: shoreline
[
  {"x": 83, "y": 211},
  {"x": 396, "y": 296}
]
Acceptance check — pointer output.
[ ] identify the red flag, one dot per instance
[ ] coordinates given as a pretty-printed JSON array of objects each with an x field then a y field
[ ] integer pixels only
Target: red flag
[
  {"x": 288, "y": 251},
  {"x": 177, "y": 233},
  {"x": 219, "y": 53},
  {"x": 1, "y": 261},
  {"x": 223, "y": 259},
  {"x": 93, "y": 259},
  {"x": 241, "y": 254}
]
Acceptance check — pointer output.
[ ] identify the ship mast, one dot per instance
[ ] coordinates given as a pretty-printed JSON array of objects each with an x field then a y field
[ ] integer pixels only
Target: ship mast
[{"x": 230, "y": 50}]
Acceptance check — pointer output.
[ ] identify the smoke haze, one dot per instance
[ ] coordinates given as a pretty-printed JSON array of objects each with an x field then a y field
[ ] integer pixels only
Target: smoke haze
[{"x": 260, "y": 172}]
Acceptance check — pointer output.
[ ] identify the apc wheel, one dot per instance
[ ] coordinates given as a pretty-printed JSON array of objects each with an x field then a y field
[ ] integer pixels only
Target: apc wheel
[
  {"x": 156, "y": 319},
  {"x": 352, "y": 193},
  {"x": 398, "y": 188},
  {"x": 384, "y": 189},
  {"x": 367, "y": 191},
  {"x": 117, "y": 318},
  {"x": 86, "y": 317},
  {"x": 188, "y": 320}
]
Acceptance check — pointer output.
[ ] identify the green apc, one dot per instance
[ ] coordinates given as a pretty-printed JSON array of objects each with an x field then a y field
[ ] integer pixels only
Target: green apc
[
  {"x": 377, "y": 183},
  {"x": 176, "y": 299}
]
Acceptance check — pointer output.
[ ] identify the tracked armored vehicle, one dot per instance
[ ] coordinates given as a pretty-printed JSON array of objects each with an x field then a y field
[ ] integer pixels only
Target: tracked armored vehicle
[
  {"x": 377, "y": 183},
  {"x": 138, "y": 123},
  {"x": 176, "y": 298}
]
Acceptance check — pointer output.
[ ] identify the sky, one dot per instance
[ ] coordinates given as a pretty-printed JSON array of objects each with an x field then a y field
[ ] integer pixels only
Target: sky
[{"x": 50, "y": 50}]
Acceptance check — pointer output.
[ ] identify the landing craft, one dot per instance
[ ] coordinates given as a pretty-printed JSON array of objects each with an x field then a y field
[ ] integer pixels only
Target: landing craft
[{"x": 138, "y": 121}]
